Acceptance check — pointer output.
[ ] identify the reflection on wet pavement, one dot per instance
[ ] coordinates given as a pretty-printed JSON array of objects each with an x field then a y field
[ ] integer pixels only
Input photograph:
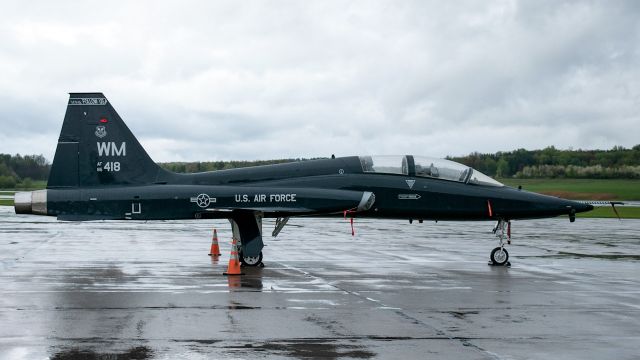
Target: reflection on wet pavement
[
  {"x": 136, "y": 290},
  {"x": 140, "y": 352},
  {"x": 306, "y": 349}
]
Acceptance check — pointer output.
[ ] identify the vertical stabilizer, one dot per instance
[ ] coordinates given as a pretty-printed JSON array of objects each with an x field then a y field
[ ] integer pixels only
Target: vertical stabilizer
[{"x": 96, "y": 148}]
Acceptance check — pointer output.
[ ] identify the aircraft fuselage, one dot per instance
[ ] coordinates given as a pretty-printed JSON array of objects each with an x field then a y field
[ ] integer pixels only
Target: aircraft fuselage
[{"x": 328, "y": 187}]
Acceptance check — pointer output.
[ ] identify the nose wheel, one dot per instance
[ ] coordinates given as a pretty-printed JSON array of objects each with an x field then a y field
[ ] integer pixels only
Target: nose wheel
[{"x": 500, "y": 256}]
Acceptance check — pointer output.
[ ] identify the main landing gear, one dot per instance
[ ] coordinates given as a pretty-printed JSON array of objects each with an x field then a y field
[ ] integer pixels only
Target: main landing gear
[
  {"x": 500, "y": 256},
  {"x": 246, "y": 227},
  {"x": 251, "y": 260}
]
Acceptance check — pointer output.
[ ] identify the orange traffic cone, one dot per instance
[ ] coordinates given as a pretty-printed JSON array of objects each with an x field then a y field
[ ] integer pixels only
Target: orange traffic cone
[
  {"x": 215, "y": 248},
  {"x": 234, "y": 261}
]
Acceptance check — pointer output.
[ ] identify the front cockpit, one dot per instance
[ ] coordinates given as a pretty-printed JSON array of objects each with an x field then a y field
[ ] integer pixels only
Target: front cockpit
[{"x": 424, "y": 166}]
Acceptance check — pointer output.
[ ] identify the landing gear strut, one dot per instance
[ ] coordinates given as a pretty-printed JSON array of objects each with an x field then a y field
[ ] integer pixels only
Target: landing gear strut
[
  {"x": 500, "y": 256},
  {"x": 247, "y": 229}
]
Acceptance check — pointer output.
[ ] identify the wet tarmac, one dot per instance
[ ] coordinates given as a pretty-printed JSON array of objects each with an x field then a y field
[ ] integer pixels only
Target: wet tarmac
[{"x": 135, "y": 290}]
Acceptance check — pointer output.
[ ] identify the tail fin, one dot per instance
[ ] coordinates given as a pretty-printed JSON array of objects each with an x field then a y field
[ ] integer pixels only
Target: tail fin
[{"x": 96, "y": 148}]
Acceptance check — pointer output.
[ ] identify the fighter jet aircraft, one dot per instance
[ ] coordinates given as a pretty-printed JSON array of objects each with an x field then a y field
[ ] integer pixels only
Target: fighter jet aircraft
[{"x": 101, "y": 172}]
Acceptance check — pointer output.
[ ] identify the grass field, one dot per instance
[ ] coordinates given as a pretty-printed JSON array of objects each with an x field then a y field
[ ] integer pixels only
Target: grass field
[
  {"x": 35, "y": 185},
  {"x": 581, "y": 189},
  {"x": 625, "y": 212}
]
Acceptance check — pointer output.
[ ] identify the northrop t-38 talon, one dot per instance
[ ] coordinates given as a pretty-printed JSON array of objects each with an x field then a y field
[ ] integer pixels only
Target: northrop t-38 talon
[{"x": 101, "y": 172}]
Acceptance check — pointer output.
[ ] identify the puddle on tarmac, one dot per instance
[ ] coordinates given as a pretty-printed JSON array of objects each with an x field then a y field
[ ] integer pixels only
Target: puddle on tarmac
[
  {"x": 140, "y": 352},
  {"x": 309, "y": 349}
]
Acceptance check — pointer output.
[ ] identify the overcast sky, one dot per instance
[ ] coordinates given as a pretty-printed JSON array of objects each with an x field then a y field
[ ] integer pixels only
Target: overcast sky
[{"x": 205, "y": 80}]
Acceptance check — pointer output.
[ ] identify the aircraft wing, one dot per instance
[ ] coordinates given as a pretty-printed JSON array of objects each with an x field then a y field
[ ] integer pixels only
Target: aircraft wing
[{"x": 221, "y": 202}]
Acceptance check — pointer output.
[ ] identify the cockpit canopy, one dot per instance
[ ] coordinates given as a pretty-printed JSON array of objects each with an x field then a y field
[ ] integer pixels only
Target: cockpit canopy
[{"x": 424, "y": 166}]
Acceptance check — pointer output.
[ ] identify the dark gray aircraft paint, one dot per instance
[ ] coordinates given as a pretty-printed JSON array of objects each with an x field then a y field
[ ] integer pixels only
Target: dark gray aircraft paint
[{"x": 101, "y": 172}]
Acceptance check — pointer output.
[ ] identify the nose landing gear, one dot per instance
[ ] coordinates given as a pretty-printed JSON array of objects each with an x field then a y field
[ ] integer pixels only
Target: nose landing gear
[{"x": 500, "y": 256}]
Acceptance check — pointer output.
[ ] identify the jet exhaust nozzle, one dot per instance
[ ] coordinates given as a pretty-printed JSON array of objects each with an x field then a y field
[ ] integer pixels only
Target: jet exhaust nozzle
[{"x": 30, "y": 202}]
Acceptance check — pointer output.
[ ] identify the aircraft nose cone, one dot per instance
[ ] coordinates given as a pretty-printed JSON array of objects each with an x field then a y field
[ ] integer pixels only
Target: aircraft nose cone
[{"x": 582, "y": 207}]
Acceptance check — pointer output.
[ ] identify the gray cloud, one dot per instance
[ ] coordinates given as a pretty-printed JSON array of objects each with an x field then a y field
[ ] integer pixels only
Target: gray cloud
[{"x": 257, "y": 80}]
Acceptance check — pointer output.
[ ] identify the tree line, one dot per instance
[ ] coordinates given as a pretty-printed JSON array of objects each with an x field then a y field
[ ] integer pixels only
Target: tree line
[
  {"x": 20, "y": 171},
  {"x": 198, "y": 166},
  {"x": 618, "y": 163},
  {"x": 17, "y": 171}
]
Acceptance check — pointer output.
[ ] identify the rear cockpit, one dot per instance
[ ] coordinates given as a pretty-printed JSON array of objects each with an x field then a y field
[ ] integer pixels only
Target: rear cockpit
[{"x": 423, "y": 166}]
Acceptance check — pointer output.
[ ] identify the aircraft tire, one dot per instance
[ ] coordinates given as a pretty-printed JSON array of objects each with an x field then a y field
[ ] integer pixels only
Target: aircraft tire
[
  {"x": 251, "y": 260},
  {"x": 499, "y": 257}
]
